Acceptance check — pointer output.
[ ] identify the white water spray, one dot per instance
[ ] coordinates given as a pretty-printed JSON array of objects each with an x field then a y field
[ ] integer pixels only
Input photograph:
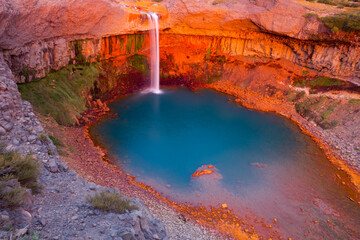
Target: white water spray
[{"x": 154, "y": 52}]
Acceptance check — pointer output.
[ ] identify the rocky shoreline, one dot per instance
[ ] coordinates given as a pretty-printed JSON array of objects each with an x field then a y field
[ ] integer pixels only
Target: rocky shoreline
[
  {"x": 60, "y": 210},
  {"x": 343, "y": 155}
]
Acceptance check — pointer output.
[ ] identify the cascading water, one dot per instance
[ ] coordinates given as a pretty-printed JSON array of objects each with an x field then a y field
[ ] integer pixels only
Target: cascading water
[{"x": 154, "y": 52}]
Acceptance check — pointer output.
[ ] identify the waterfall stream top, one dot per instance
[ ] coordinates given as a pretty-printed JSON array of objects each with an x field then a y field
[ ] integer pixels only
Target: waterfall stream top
[{"x": 154, "y": 53}]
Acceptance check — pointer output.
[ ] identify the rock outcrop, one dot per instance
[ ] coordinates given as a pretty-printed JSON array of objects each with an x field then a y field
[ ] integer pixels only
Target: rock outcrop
[
  {"x": 19, "y": 128},
  {"x": 63, "y": 191},
  {"x": 39, "y": 36}
]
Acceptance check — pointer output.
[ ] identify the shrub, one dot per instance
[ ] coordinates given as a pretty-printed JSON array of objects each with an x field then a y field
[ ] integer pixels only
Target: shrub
[
  {"x": 348, "y": 22},
  {"x": 16, "y": 168},
  {"x": 110, "y": 202},
  {"x": 310, "y": 15},
  {"x": 304, "y": 72},
  {"x": 56, "y": 141},
  {"x": 328, "y": 2},
  {"x": 354, "y": 101},
  {"x": 43, "y": 138},
  {"x": 325, "y": 82}
]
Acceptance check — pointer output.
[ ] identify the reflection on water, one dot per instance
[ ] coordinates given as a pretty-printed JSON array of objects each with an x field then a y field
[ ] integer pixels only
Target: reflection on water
[{"x": 264, "y": 166}]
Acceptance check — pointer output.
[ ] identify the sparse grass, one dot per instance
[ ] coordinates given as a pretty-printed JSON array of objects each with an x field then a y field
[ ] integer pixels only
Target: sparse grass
[
  {"x": 311, "y": 108},
  {"x": 62, "y": 94},
  {"x": 110, "y": 202},
  {"x": 43, "y": 138},
  {"x": 16, "y": 168},
  {"x": 310, "y": 15},
  {"x": 56, "y": 141},
  {"x": 325, "y": 82},
  {"x": 340, "y": 3},
  {"x": 304, "y": 72},
  {"x": 346, "y": 21},
  {"x": 294, "y": 96},
  {"x": 354, "y": 101},
  {"x": 216, "y": 2},
  {"x": 318, "y": 82}
]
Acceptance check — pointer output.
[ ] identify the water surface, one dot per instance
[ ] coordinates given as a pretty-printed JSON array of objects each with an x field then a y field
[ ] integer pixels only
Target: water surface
[{"x": 264, "y": 166}]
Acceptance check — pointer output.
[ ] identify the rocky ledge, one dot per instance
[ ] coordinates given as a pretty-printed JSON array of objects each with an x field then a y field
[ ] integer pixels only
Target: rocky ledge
[{"x": 60, "y": 210}]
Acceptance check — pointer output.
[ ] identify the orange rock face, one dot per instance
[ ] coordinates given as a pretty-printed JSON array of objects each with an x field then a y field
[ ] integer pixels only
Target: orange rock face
[{"x": 202, "y": 172}]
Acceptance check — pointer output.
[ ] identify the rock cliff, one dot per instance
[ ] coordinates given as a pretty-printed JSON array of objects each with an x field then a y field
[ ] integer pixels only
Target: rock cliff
[{"x": 37, "y": 36}]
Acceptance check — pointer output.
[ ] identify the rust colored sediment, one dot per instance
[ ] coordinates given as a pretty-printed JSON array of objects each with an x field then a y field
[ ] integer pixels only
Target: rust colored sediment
[
  {"x": 218, "y": 218},
  {"x": 99, "y": 170},
  {"x": 348, "y": 176}
]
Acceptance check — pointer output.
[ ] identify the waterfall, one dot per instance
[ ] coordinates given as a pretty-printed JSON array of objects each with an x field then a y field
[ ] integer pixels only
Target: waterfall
[{"x": 154, "y": 52}]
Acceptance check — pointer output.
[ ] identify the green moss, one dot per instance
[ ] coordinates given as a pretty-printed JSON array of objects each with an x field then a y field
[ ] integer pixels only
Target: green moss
[
  {"x": 61, "y": 94},
  {"x": 110, "y": 202},
  {"x": 318, "y": 82},
  {"x": 208, "y": 54},
  {"x": 300, "y": 83},
  {"x": 139, "y": 62},
  {"x": 325, "y": 82},
  {"x": 139, "y": 41},
  {"x": 129, "y": 45}
]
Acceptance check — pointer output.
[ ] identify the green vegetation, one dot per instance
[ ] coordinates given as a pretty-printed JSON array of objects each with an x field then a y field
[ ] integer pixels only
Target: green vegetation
[
  {"x": 110, "y": 202},
  {"x": 208, "y": 54},
  {"x": 140, "y": 63},
  {"x": 294, "y": 96},
  {"x": 134, "y": 41},
  {"x": 311, "y": 108},
  {"x": 16, "y": 168},
  {"x": 318, "y": 82},
  {"x": 346, "y": 21},
  {"x": 325, "y": 82},
  {"x": 56, "y": 141},
  {"x": 310, "y": 15},
  {"x": 354, "y": 101},
  {"x": 43, "y": 138},
  {"x": 79, "y": 57},
  {"x": 27, "y": 73},
  {"x": 216, "y": 2},
  {"x": 61, "y": 94},
  {"x": 304, "y": 72},
  {"x": 339, "y": 3}
]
